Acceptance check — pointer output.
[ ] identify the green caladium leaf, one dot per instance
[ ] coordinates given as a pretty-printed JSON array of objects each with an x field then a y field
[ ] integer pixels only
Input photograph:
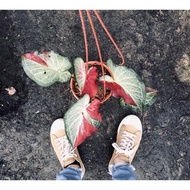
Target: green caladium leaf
[
  {"x": 151, "y": 97},
  {"x": 47, "y": 68},
  {"x": 82, "y": 120},
  {"x": 128, "y": 106},
  {"x": 125, "y": 84},
  {"x": 80, "y": 73},
  {"x": 86, "y": 80}
]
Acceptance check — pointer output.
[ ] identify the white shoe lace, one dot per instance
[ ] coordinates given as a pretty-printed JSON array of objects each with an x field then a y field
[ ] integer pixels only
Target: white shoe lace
[
  {"x": 66, "y": 149},
  {"x": 126, "y": 146}
]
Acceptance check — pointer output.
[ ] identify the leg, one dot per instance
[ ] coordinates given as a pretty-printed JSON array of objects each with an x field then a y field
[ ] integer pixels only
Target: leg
[
  {"x": 128, "y": 139},
  {"x": 69, "y": 174},
  {"x": 69, "y": 158},
  {"x": 123, "y": 172}
]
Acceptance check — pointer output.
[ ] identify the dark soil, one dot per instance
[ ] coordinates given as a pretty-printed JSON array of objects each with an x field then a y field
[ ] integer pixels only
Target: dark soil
[{"x": 153, "y": 44}]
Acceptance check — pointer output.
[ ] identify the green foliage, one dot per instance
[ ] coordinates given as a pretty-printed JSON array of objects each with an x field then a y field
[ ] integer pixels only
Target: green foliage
[
  {"x": 132, "y": 88},
  {"x": 83, "y": 118},
  {"x": 54, "y": 68}
]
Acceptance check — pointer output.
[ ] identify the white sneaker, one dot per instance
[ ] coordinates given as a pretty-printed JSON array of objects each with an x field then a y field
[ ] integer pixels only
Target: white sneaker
[
  {"x": 63, "y": 149},
  {"x": 128, "y": 139}
]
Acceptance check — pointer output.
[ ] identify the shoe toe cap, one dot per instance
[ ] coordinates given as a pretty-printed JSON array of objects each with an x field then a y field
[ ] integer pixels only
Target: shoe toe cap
[
  {"x": 57, "y": 125},
  {"x": 132, "y": 120}
]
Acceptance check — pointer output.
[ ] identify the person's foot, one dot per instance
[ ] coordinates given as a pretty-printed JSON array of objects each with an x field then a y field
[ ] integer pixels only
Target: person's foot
[
  {"x": 68, "y": 157},
  {"x": 129, "y": 135}
]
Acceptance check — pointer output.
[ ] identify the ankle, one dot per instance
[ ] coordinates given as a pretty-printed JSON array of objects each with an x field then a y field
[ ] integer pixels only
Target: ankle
[
  {"x": 119, "y": 161},
  {"x": 73, "y": 166}
]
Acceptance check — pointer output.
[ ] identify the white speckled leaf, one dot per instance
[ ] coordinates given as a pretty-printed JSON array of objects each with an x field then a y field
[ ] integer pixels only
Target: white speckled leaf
[
  {"x": 129, "y": 81},
  {"x": 150, "y": 99},
  {"x": 76, "y": 128},
  {"x": 80, "y": 73},
  {"x": 54, "y": 69}
]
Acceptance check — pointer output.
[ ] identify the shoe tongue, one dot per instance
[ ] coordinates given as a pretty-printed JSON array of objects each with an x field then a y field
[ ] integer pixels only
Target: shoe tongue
[
  {"x": 130, "y": 128},
  {"x": 59, "y": 134},
  {"x": 124, "y": 158}
]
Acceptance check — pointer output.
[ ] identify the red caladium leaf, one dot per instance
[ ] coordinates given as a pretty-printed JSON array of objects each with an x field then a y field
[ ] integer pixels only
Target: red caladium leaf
[
  {"x": 125, "y": 84},
  {"x": 118, "y": 92},
  {"x": 86, "y": 82},
  {"x": 85, "y": 130},
  {"x": 90, "y": 86},
  {"x": 93, "y": 111},
  {"x": 151, "y": 97},
  {"x": 154, "y": 91},
  {"x": 46, "y": 68},
  {"x": 82, "y": 119},
  {"x": 35, "y": 57}
]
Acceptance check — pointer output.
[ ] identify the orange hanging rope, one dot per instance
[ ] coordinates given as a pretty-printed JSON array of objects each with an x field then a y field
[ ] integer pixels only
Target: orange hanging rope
[
  {"x": 96, "y": 40},
  {"x": 97, "y": 45},
  {"x": 109, "y": 35},
  {"x": 86, "y": 43},
  {"x": 95, "y": 35},
  {"x": 85, "y": 38}
]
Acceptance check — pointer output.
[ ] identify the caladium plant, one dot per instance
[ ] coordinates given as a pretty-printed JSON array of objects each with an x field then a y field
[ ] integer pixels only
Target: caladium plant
[
  {"x": 46, "y": 68},
  {"x": 86, "y": 80},
  {"x": 151, "y": 97},
  {"x": 128, "y": 86},
  {"x": 82, "y": 119}
]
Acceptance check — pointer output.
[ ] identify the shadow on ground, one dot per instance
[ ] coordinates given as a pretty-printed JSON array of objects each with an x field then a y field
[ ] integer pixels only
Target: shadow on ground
[{"x": 154, "y": 43}]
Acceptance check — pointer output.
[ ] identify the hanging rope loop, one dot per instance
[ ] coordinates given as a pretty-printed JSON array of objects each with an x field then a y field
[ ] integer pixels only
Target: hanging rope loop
[
  {"x": 109, "y": 35},
  {"x": 96, "y": 40},
  {"x": 95, "y": 35}
]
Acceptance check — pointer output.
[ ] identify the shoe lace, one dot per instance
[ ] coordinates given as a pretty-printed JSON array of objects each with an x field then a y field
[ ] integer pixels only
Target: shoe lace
[
  {"x": 126, "y": 144},
  {"x": 66, "y": 149}
]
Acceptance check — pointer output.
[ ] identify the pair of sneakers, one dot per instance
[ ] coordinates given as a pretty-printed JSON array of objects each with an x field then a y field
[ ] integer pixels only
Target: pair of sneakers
[{"x": 129, "y": 135}]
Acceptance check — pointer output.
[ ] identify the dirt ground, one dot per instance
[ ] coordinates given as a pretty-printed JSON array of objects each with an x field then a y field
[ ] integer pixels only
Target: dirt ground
[{"x": 154, "y": 43}]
